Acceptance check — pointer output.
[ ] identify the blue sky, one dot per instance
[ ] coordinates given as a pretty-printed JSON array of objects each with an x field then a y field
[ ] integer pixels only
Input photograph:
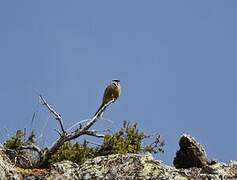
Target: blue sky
[{"x": 176, "y": 61}]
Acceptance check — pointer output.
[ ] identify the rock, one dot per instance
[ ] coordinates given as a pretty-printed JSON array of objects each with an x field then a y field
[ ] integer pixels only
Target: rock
[
  {"x": 7, "y": 169},
  {"x": 63, "y": 170},
  {"x": 118, "y": 166},
  {"x": 139, "y": 167},
  {"x": 191, "y": 153},
  {"x": 128, "y": 166}
]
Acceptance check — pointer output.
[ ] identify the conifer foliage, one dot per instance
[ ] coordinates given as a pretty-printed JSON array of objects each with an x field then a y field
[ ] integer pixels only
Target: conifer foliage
[{"x": 128, "y": 139}]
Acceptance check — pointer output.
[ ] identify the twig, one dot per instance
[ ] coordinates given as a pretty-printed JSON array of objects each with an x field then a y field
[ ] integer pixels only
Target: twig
[
  {"x": 31, "y": 147},
  {"x": 59, "y": 133},
  {"x": 57, "y": 115},
  {"x": 95, "y": 134},
  {"x": 85, "y": 127},
  {"x": 80, "y": 122}
]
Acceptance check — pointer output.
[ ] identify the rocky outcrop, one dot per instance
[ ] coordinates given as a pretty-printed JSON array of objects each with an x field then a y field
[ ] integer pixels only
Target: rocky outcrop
[
  {"x": 190, "y": 154},
  {"x": 139, "y": 167},
  {"x": 7, "y": 169},
  {"x": 131, "y": 166}
]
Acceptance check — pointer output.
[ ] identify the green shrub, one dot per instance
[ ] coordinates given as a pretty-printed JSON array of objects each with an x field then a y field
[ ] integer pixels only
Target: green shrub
[
  {"x": 128, "y": 139},
  {"x": 22, "y": 158},
  {"x": 14, "y": 142},
  {"x": 73, "y": 152}
]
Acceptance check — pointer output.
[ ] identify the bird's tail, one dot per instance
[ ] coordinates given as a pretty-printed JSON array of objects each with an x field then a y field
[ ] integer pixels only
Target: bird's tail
[{"x": 98, "y": 113}]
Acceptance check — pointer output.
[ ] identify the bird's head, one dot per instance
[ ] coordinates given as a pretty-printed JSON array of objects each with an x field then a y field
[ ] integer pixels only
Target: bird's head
[{"x": 115, "y": 81}]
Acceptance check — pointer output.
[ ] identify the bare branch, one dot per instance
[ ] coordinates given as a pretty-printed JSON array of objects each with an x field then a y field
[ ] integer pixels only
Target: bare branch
[
  {"x": 83, "y": 130},
  {"x": 95, "y": 134},
  {"x": 31, "y": 147},
  {"x": 56, "y": 115},
  {"x": 59, "y": 133},
  {"x": 85, "y": 127}
]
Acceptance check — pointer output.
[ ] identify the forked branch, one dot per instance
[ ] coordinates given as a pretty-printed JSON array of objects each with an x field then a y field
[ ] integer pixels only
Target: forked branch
[
  {"x": 57, "y": 116},
  {"x": 67, "y": 136}
]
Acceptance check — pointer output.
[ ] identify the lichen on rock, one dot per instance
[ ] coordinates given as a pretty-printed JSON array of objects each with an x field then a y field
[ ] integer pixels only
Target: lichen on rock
[
  {"x": 123, "y": 167},
  {"x": 7, "y": 170}
]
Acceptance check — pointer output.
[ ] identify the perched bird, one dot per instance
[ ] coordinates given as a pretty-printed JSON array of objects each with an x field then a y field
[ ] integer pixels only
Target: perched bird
[{"x": 112, "y": 92}]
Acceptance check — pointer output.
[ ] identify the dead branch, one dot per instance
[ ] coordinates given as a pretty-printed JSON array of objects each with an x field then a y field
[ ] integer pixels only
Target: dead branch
[
  {"x": 31, "y": 147},
  {"x": 84, "y": 128},
  {"x": 67, "y": 136},
  {"x": 94, "y": 133},
  {"x": 56, "y": 115},
  {"x": 57, "y": 131}
]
